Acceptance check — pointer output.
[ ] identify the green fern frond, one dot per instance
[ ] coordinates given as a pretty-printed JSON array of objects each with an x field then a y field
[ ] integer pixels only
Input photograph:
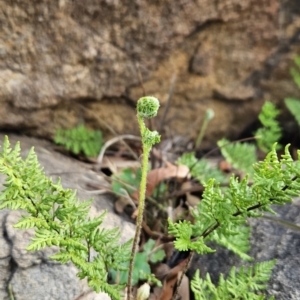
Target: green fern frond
[
  {"x": 238, "y": 242},
  {"x": 244, "y": 284},
  {"x": 270, "y": 132},
  {"x": 240, "y": 155},
  {"x": 295, "y": 71},
  {"x": 224, "y": 210},
  {"x": 60, "y": 220},
  {"x": 293, "y": 105},
  {"x": 80, "y": 140},
  {"x": 200, "y": 169}
]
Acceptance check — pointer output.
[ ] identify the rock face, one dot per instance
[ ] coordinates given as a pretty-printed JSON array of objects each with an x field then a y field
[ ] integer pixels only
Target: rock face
[
  {"x": 66, "y": 61},
  {"x": 32, "y": 275}
]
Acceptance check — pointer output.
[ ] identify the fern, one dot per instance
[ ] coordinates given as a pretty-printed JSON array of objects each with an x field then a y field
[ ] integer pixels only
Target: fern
[
  {"x": 223, "y": 211},
  {"x": 293, "y": 105},
  {"x": 61, "y": 220},
  {"x": 239, "y": 243},
  {"x": 270, "y": 133},
  {"x": 240, "y": 155},
  {"x": 295, "y": 71},
  {"x": 200, "y": 168},
  {"x": 80, "y": 140},
  {"x": 244, "y": 284}
]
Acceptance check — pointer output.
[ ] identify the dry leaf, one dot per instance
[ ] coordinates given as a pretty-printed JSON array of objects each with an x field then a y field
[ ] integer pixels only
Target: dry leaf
[
  {"x": 155, "y": 176},
  {"x": 171, "y": 280},
  {"x": 184, "y": 288},
  {"x": 225, "y": 166},
  {"x": 190, "y": 199}
]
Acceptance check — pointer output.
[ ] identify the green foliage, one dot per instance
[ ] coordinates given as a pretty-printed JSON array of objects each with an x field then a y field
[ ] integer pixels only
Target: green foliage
[
  {"x": 237, "y": 242},
  {"x": 200, "y": 168},
  {"x": 224, "y": 210},
  {"x": 141, "y": 267},
  {"x": 295, "y": 71},
  {"x": 240, "y": 155},
  {"x": 80, "y": 140},
  {"x": 60, "y": 219},
  {"x": 293, "y": 105},
  {"x": 244, "y": 284},
  {"x": 147, "y": 107},
  {"x": 270, "y": 133},
  {"x": 127, "y": 180},
  {"x": 153, "y": 255}
]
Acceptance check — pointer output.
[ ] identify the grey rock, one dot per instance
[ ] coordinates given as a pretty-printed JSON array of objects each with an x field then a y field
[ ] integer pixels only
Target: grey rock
[{"x": 32, "y": 275}]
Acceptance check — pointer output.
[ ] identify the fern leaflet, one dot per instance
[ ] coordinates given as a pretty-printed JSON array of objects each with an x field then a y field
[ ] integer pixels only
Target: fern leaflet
[{"x": 244, "y": 284}]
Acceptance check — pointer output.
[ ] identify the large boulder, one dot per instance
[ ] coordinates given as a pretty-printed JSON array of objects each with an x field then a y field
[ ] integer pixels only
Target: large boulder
[{"x": 63, "y": 62}]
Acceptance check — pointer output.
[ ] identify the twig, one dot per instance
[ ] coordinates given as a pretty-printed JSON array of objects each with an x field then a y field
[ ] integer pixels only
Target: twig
[{"x": 115, "y": 140}]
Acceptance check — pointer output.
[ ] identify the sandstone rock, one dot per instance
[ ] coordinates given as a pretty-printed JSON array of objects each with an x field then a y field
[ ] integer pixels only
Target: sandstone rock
[
  {"x": 67, "y": 61},
  {"x": 32, "y": 275}
]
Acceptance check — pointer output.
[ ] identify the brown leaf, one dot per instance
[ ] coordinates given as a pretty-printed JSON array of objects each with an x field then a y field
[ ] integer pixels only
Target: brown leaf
[
  {"x": 184, "y": 288},
  {"x": 190, "y": 199},
  {"x": 155, "y": 176},
  {"x": 225, "y": 166},
  {"x": 171, "y": 280}
]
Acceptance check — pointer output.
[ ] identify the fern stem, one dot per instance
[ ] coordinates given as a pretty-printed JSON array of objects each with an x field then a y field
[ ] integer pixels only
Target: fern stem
[{"x": 142, "y": 193}]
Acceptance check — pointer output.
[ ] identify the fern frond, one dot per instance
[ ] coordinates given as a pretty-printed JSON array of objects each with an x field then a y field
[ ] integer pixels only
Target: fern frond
[
  {"x": 200, "y": 169},
  {"x": 80, "y": 140},
  {"x": 293, "y": 105},
  {"x": 270, "y": 132},
  {"x": 295, "y": 71},
  {"x": 244, "y": 284},
  {"x": 60, "y": 220},
  {"x": 224, "y": 210},
  {"x": 240, "y": 155},
  {"x": 238, "y": 242}
]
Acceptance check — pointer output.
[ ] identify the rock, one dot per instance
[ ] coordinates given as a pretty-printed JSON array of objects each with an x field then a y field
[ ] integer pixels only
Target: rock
[
  {"x": 32, "y": 275},
  {"x": 65, "y": 62},
  {"x": 271, "y": 238}
]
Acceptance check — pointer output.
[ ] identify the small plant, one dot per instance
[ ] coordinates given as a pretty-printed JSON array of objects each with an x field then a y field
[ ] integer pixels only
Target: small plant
[
  {"x": 80, "y": 140},
  {"x": 147, "y": 107},
  {"x": 270, "y": 133},
  {"x": 60, "y": 219},
  {"x": 209, "y": 115}
]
